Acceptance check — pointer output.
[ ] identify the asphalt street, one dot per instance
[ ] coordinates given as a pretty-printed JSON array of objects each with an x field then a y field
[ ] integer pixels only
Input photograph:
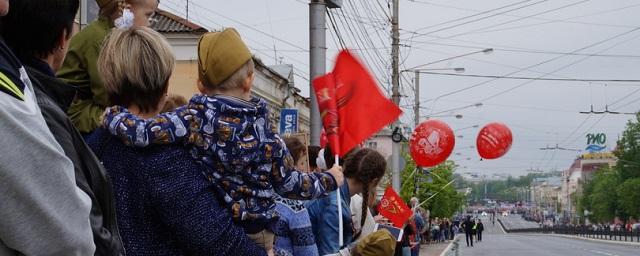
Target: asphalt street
[{"x": 496, "y": 242}]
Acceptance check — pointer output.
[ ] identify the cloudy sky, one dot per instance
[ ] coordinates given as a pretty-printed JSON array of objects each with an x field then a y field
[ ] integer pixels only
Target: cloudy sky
[{"x": 560, "y": 39}]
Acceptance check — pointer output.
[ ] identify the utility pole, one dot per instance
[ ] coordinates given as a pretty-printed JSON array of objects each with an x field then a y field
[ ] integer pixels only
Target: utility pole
[
  {"x": 187, "y": 10},
  {"x": 416, "y": 107},
  {"x": 395, "y": 80},
  {"x": 318, "y": 52}
]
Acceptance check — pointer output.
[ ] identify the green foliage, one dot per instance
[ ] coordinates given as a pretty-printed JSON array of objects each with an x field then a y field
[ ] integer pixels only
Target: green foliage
[
  {"x": 603, "y": 200},
  {"x": 511, "y": 189},
  {"x": 423, "y": 186},
  {"x": 628, "y": 151},
  {"x": 629, "y": 197}
]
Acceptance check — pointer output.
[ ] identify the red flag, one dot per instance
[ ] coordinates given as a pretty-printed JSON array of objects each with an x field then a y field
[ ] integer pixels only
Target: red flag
[
  {"x": 362, "y": 108},
  {"x": 325, "y": 89},
  {"x": 393, "y": 208},
  {"x": 323, "y": 139}
]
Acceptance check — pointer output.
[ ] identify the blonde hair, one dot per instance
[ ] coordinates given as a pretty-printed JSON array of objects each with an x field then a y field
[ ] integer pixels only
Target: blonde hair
[
  {"x": 135, "y": 66},
  {"x": 238, "y": 77}
]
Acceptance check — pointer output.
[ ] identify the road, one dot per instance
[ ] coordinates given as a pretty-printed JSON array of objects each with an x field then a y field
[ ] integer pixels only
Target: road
[{"x": 496, "y": 242}]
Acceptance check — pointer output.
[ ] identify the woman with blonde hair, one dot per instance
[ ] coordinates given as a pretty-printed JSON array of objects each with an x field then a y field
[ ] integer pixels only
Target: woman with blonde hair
[
  {"x": 80, "y": 67},
  {"x": 163, "y": 201}
]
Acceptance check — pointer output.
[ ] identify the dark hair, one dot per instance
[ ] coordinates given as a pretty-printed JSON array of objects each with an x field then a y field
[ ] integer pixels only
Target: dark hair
[
  {"x": 296, "y": 148},
  {"x": 330, "y": 158},
  {"x": 34, "y": 27},
  {"x": 312, "y": 152},
  {"x": 365, "y": 166}
]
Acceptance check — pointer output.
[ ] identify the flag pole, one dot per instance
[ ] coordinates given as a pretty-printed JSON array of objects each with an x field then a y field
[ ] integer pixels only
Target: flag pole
[{"x": 339, "y": 201}]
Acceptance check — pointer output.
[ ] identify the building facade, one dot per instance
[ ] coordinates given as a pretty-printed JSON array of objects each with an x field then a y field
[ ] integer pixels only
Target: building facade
[
  {"x": 274, "y": 84},
  {"x": 580, "y": 172}
]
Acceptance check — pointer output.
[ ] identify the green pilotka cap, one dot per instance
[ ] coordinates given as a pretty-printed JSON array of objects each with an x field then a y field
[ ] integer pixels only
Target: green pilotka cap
[
  {"x": 220, "y": 55},
  {"x": 380, "y": 242},
  {"x": 103, "y": 3}
]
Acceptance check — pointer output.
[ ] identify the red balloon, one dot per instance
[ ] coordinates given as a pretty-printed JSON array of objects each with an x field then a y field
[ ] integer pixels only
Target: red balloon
[
  {"x": 431, "y": 143},
  {"x": 494, "y": 140}
]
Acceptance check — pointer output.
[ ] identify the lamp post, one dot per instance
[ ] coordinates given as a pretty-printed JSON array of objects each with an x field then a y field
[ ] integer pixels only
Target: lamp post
[{"x": 416, "y": 84}]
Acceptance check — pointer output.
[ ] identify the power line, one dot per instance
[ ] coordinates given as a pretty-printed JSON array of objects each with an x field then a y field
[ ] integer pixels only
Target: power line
[
  {"x": 465, "y": 17},
  {"x": 537, "y": 78},
  {"x": 517, "y": 19},
  {"x": 538, "y": 64},
  {"x": 522, "y": 18},
  {"x": 546, "y": 19},
  {"x": 251, "y": 27},
  {"x": 336, "y": 31},
  {"x": 209, "y": 19},
  {"x": 534, "y": 51},
  {"x": 478, "y": 19},
  {"x": 568, "y": 20},
  {"x": 588, "y": 129},
  {"x": 357, "y": 39}
]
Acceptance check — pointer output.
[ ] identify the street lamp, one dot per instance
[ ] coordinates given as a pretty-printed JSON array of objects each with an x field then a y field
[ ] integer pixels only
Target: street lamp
[
  {"x": 457, "y": 116},
  {"x": 485, "y": 51}
]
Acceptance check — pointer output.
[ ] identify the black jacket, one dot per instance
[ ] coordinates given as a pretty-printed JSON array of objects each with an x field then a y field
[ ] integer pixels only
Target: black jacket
[
  {"x": 480, "y": 227},
  {"x": 468, "y": 226},
  {"x": 54, "y": 97}
]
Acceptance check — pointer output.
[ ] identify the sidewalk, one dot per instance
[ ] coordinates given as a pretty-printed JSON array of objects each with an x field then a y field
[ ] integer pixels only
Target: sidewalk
[{"x": 436, "y": 249}]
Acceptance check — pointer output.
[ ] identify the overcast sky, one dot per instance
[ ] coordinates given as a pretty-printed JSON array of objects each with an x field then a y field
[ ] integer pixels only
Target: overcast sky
[{"x": 530, "y": 38}]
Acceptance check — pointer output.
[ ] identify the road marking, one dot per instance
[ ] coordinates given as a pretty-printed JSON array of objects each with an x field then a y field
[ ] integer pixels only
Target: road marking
[{"x": 600, "y": 252}]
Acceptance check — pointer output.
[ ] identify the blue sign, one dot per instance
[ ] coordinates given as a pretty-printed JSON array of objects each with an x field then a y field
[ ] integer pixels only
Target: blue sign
[{"x": 288, "y": 121}]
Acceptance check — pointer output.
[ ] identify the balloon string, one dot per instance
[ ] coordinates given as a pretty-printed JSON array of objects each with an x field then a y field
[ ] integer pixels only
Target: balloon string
[
  {"x": 432, "y": 196},
  {"x": 410, "y": 176}
]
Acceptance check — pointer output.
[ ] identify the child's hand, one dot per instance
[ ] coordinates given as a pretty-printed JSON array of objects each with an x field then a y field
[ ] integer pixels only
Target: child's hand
[{"x": 336, "y": 172}]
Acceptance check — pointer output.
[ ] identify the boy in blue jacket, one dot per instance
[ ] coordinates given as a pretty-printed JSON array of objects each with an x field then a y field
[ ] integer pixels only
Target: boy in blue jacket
[{"x": 229, "y": 131}]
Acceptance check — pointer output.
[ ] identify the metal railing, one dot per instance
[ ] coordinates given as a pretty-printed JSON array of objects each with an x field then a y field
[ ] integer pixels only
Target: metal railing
[{"x": 584, "y": 231}]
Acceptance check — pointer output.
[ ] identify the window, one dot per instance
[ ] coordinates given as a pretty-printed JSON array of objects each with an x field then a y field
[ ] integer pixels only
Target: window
[{"x": 372, "y": 144}]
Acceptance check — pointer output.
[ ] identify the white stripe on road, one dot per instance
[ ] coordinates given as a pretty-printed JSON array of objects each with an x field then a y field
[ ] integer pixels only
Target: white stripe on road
[{"x": 600, "y": 252}]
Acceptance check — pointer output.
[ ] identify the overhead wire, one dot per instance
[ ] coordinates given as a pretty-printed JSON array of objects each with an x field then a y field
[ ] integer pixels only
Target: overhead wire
[
  {"x": 250, "y": 27},
  {"x": 478, "y": 19},
  {"x": 513, "y": 20},
  {"x": 469, "y": 16},
  {"x": 297, "y": 70},
  {"x": 539, "y": 64},
  {"x": 358, "y": 40},
  {"x": 568, "y": 20},
  {"x": 340, "y": 43},
  {"x": 543, "y": 19},
  {"x": 536, "y": 78},
  {"x": 526, "y": 50}
]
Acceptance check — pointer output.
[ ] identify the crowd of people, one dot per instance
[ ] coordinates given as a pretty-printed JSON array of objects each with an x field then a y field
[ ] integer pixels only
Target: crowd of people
[{"x": 156, "y": 174}]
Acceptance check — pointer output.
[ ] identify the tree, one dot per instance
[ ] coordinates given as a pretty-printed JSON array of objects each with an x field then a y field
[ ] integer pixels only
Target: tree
[
  {"x": 426, "y": 184},
  {"x": 628, "y": 151},
  {"x": 629, "y": 197},
  {"x": 604, "y": 199}
]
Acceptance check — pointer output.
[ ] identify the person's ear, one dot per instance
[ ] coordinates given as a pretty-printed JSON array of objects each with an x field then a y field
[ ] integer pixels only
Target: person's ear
[
  {"x": 64, "y": 39},
  {"x": 248, "y": 82}
]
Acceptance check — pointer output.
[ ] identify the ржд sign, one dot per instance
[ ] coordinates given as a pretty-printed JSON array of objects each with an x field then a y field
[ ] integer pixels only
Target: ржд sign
[{"x": 288, "y": 121}]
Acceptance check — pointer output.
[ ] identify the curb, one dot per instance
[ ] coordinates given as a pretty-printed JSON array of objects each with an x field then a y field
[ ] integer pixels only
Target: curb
[
  {"x": 448, "y": 248},
  {"x": 636, "y": 244}
]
